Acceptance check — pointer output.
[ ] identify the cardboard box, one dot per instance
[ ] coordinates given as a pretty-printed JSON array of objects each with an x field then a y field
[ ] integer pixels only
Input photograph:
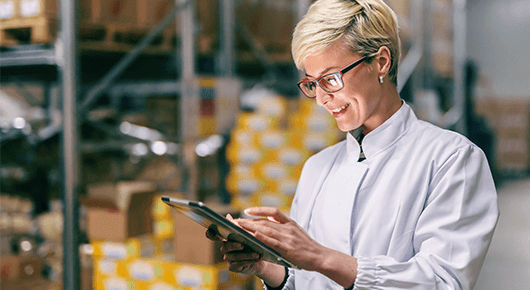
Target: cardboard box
[
  {"x": 191, "y": 244},
  {"x": 511, "y": 119},
  {"x": 14, "y": 268},
  {"x": 35, "y": 8},
  {"x": 513, "y": 115},
  {"x": 270, "y": 23},
  {"x": 153, "y": 11},
  {"x": 151, "y": 274},
  {"x": 513, "y": 150},
  {"x": 119, "y": 211}
]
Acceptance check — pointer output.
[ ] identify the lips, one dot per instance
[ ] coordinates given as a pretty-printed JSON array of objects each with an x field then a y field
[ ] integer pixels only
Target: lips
[{"x": 340, "y": 109}]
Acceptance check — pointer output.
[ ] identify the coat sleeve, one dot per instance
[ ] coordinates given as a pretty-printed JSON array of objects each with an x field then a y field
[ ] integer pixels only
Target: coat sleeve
[{"x": 452, "y": 234}]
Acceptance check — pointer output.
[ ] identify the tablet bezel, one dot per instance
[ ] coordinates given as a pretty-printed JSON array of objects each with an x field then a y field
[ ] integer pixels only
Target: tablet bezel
[{"x": 207, "y": 217}]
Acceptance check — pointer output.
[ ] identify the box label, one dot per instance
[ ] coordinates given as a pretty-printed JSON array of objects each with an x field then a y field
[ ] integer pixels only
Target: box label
[
  {"x": 29, "y": 8},
  {"x": 116, "y": 284},
  {"x": 115, "y": 251},
  {"x": 188, "y": 276},
  {"x": 143, "y": 271},
  {"x": 7, "y": 10}
]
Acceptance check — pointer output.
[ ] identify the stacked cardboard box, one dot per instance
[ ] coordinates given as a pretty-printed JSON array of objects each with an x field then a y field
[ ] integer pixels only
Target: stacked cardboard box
[
  {"x": 118, "y": 211},
  {"x": 510, "y": 119},
  {"x": 17, "y": 17},
  {"x": 442, "y": 38},
  {"x": 513, "y": 135},
  {"x": 151, "y": 274},
  {"x": 24, "y": 253},
  {"x": 270, "y": 23},
  {"x": 269, "y": 147},
  {"x": 177, "y": 255}
]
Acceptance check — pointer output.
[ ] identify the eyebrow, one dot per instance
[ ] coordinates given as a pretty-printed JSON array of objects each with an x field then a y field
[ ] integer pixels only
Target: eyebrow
[{"x": 324, "y": 71}]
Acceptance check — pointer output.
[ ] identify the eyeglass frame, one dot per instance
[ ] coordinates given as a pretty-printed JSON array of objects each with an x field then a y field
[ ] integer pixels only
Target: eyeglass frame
[{"x": 338, "y": 73}]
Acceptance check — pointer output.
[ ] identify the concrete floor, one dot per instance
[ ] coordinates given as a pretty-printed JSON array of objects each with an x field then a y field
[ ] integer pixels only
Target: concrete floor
[{"x": 507, "y": 264}]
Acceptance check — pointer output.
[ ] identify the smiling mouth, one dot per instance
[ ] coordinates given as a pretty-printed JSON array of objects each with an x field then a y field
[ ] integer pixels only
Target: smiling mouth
[{"x": 340, "y": 109}]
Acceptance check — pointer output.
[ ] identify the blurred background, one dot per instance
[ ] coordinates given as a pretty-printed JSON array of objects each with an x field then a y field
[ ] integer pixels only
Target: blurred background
[{"x": 107, "y": 105}]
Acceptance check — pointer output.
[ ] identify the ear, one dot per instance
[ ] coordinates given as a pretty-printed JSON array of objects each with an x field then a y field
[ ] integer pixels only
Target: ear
[{"x": 383, "y": 60}]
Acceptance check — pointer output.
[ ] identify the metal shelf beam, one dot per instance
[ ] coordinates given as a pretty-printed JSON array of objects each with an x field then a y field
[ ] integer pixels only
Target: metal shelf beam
[
  {"x": 28, "y": 55},
  {"x": 67, "y": 59}
]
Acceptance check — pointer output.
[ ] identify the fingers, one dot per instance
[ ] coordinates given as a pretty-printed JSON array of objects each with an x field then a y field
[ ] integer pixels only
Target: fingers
[
  {"x": 238, "y": 257},
  {"x": 242, "y": 266},
  {"x": 230, "y": 218},
  {"x": 228, "y": 247},
  {"x": 212, "y": 235},
  {"x": 242, "y": 256},
  {"x": 269, "y": 212}
]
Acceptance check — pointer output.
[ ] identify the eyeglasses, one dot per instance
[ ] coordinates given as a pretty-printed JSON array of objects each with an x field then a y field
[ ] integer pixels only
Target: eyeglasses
[{"x": 330, "y": 83}]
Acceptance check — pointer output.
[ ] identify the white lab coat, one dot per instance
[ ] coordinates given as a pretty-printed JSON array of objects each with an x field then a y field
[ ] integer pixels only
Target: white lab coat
[{"x": 418, "y": 213}]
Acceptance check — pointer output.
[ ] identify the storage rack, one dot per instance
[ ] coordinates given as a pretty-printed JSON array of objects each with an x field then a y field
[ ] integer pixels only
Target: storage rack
[{"x": 63, "y": 56}]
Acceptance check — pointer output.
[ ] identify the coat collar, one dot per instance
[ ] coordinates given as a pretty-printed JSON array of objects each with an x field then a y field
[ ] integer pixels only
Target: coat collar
[{"x": 384, "y": 135}]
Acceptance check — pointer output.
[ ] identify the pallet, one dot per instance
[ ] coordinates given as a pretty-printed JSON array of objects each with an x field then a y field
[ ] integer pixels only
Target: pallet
[
  {"x": 122, "y": 38},
  {"x": 35, "y": 30}
]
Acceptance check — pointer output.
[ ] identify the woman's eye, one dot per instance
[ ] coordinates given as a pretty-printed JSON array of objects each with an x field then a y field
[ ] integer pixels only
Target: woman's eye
[{"x": 332, "y": 81}]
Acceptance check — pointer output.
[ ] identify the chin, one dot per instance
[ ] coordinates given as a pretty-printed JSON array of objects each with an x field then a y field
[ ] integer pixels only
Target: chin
[{"x": 346, "y": 128}]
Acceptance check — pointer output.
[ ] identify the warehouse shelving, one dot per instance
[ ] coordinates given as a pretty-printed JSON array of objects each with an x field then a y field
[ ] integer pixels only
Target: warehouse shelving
[{"x": 63, "y": 55}]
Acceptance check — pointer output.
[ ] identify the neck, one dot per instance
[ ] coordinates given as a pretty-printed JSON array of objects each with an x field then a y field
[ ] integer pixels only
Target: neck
[{"x": 389, "y": 104}]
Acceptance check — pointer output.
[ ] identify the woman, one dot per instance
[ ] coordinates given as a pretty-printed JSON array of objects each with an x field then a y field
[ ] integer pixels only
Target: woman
[{"x": 400, "y": 204}]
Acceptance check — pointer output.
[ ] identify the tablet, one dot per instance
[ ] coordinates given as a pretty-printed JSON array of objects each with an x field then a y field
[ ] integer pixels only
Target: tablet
[{"x": 208, "y": 218}]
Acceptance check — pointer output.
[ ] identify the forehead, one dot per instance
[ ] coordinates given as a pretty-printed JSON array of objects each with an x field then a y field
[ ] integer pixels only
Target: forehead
[{"x": 335, "y": 57}]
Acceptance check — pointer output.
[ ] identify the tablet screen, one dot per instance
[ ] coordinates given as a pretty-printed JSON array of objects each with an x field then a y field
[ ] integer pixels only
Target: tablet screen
[{"x": 209, "y": 219}]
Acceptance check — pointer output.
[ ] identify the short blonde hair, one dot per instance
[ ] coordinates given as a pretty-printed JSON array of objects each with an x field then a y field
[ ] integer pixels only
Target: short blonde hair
[{"x": 364, "y": 25}]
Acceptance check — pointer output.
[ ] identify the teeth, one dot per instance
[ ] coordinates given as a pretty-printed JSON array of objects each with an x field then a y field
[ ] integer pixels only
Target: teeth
[{"x": 337, "y": 110}]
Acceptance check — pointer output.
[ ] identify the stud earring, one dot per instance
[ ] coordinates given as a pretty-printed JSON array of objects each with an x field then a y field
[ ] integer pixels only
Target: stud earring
[{"x": 380, "y": 79}]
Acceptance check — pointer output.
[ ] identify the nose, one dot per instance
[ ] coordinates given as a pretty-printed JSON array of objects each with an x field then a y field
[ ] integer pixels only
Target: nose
[{"x": 322, "y": 96}]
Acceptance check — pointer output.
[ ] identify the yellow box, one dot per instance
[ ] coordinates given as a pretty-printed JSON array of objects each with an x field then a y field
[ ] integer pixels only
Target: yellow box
[
  {"x": 276, "y": 171},
  {"x": 310, "y": 107},
  {"x": 104, "y": 267},
  {"x": 288, "y": 186},
  {"x": 315, "y": 142},
  {"x": 207, "y": 126},
  {"x": 160, "y": 209},
  {"x": 241, "y": 137},
  {"x": 216, "y": 277},
  {"x": 244, "y": 185},
  {"x": 273, "y": 106},
  {"x": 143, "y": 246},
  {"x": 115, "y": 250},
  {"x": 157, "y": 274},
  {"x": 164, "y": 228},
  {"x": 312, "y": 123},
  {"x": 254, "y": 122},
  {"x": 292, "y": 156},
  {"x": 244, "y": 154},
  {"x": 144, "y": 270},
  {"x": 113, "y": 283},
  {"x": 272, "y": 139},
  {"x": 271, "y": 199}
]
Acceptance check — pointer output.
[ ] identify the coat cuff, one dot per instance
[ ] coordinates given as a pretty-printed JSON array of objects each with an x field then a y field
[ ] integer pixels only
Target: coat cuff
[{"x": 366, "y": 274}]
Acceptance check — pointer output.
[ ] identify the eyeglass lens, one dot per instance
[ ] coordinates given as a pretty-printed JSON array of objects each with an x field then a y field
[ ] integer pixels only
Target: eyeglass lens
[{"x": 330, "y": 83}]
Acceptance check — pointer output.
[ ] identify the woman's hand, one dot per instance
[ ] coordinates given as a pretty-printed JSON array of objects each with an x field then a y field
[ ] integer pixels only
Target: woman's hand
[
  {"x": 243, "y": 260},
  {"x": 240, "y": 258},
  {"x": 285, "y": 236}
]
